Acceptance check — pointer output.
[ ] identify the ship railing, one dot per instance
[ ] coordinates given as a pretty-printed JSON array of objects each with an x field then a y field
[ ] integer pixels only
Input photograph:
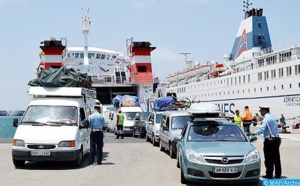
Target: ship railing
[{"x": 141, "y": 79}]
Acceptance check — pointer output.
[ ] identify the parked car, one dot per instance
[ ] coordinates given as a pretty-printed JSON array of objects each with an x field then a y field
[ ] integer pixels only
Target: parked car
[
  {"x": 172, "y": 123},
  {"x": 139, "y": 126},
  {"x": 152, "y": 127},
  {"x": 212, "y": 149}
]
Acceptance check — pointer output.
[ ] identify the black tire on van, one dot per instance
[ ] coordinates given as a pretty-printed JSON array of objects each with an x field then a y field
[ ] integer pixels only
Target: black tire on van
[
  {"x": 18, "y": 163},
  {"x": 78, "y": 161}
]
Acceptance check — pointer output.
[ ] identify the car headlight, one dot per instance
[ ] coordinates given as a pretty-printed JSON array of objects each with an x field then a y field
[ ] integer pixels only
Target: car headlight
[
  {"x": 193, "y": 156},
  {"x": 67, "y": 144},
  {"x": 252, "y": 156},
  {"x": 19, "y": 143}
]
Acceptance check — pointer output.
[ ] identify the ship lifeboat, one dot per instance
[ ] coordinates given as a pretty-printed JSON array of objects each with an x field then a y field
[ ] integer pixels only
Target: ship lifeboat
[{"x": 214, "y": 73}]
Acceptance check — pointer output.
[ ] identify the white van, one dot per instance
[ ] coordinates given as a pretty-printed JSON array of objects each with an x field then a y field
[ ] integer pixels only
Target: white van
[
  {"x": 54, "y": 126},
  {"x": 129, "y": 115}
]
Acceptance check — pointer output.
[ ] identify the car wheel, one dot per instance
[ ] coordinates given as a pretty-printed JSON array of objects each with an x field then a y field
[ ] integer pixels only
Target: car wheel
[
  {"x": 133, "y": 133},
  {"x": 18, "y": 163},
  {"x": 182, "y": 178},
  {"x": 154, "y": 143},
  {"x": 147, "y": 138},
  {"x": 78, "y": 161},
  {"x": 178, "y": 165},
  {"x": 172, "y": 154},
  {"x": 161, "y": 148}
]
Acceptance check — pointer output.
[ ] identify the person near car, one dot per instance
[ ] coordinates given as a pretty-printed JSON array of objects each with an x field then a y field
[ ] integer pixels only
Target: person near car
[
  {"x": 247, "y": 119},
  {"x": 272, "y": 142},
  {"x": 120, "y": 122},
  {"x": 237, "y": 118},
  {"x": 282, "y": 121},
  {"x": 97, "y": 125}
]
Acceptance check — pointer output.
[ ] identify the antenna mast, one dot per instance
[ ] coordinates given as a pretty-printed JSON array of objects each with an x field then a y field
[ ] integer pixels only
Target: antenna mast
[
  {"x": 246, "y": 5},
  {"x": 187, "y": 60},
  {"x": 86, "y": 22}
]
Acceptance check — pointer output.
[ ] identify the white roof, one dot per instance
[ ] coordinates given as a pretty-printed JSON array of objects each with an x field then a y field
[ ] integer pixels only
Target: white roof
[{"x": 60, "y": 91}]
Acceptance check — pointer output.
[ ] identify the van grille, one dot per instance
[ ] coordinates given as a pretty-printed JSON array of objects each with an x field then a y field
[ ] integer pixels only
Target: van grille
[{"x": 41, "y": 146}]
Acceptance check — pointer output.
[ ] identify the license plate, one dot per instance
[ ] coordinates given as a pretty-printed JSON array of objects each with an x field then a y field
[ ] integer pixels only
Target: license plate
[
  {"x": 40, "y": 153},
  {"x": 225, "y": 170}
]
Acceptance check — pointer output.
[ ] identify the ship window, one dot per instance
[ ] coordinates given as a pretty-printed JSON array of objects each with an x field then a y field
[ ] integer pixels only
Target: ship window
[
  {"x": 274, "y": 87},
  {"x": 290, "y": 85},
  {"x": 114, "y": 57},
  {"x": 254, "y": 89},
  {"x": 288, "y": 71},
  {"x": 108, "y": 56},
  {"x": 297, "y": 69},
  {"x": 238, "y": 91},
  {"x": 233, "y": 92},
  {"x": 267, "y": 88},
  {"x": 103, "y": 56},
  {"x": 81, "y": 55},
  {"x": 244, "y": 79},
  {"x": 261, "y": 89},
  {"x": 91, "y": 55},
  {"x": 76, "y": 55},
  {"x": 228, "y": 92},
  {"x": 243, "y": 91},
  {"x": 248, "y": 78},
  {"x": 235, "y": 80},
  {"x": 69, "y": 55},
  {"x": 240, "y": 80},
  {"x": 98, "y": 56},
  {"x": 142, "y": 68},
  {"x": 282, "y": 87},
  {"x": 248, "y": 90},
  {"x": 299, "y": 85}
]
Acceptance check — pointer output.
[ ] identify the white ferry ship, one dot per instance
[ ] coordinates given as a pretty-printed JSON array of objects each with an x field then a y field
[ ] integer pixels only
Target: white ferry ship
[
  {"x": 112, "y": 73},
  {"x": 254, "y": 74}
]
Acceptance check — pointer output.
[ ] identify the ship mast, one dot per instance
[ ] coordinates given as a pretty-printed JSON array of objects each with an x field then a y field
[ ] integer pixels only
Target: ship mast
[
  {"x": 187, "y": 60},
  {"x": 86, "y": 21}
]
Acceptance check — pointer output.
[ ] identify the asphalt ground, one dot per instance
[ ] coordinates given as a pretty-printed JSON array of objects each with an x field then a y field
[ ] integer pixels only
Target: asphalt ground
[{"x": 129, "y": 161}]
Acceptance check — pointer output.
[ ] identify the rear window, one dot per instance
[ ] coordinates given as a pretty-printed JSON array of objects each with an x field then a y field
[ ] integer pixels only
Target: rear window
[
  {"x": 158, "y": 118},
  {"x": 178, "y": 122}
]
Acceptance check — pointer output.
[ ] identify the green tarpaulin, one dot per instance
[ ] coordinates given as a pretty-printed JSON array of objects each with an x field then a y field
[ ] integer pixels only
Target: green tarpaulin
[{"x": 63, "y": 77}]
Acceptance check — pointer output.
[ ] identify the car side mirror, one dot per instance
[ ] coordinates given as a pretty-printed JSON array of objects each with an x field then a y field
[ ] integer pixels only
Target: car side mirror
[
  {"x": 178, "y": 138},
  {"x": 15, "y": 122},
  {"x": 84, "y": 124},
  {"x": 252, "y": 138}
]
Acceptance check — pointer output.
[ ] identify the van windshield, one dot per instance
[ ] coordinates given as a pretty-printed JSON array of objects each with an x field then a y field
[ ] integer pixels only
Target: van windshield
[
  {"x": 130, "y": 115},
  {"x": 158, "y": 118},
  {"x": 42, "y": 114}
]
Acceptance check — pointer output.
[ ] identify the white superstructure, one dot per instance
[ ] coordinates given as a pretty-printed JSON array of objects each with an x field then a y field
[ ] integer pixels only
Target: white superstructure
[{"x": 253, "y": 74}]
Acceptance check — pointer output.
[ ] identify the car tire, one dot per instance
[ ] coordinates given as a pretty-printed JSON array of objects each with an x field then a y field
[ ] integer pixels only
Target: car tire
[
  {"x": 171, "y": 151},
  {"x": 178, "y": 165},
  {"x": 161, "y": 148},
  {"x": 182, "y": 178},
  {"x": 133, "y": 133},
  {"x": 79, "y": 159},
  {"x": 154, "y": 143},
  {"x": 19, "y": 163},
  {"x": 147, "y": 138}
]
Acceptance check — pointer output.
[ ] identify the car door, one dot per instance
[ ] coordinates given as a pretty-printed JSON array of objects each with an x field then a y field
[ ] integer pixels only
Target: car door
[
  {"x": 166, "y": 132},
  {"x": 84, "y": 133},
  {"x": 149, "y": 126},
  {"x": 162, "y": 135},
  {"x": 180, "y": 143}
]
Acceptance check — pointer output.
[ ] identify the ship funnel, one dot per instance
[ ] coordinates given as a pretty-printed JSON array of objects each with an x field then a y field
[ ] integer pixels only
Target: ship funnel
[{"x": 253, "y": 32}]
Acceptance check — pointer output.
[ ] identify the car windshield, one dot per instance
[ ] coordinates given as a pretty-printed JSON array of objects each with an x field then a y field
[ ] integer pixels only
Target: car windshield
[
  {"x": 144, "y": 115},
  {"x": 44, "y": 115},
  {"x": 213, "y": 131},
  {"x": 130, "y": 115},
  {"x": 158, "y": 118},
  {"x": 178, "y": 122}
]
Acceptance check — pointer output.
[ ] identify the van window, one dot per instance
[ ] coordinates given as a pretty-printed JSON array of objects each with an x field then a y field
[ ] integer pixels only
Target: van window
[
  {"x": 163, "y": 122},
  {"x": 158, "y": 118},
  {"x": 168, "y": 122},
  {"x": 129, "y": 115}
]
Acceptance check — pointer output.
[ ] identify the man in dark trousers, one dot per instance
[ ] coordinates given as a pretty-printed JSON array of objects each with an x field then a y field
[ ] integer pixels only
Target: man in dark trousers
[
  {"x": 97, "y": 125},
  {"x": 272, "y": 142},
  {"x": 120, "y": 122},
  {"x": 247, "y": 120}
]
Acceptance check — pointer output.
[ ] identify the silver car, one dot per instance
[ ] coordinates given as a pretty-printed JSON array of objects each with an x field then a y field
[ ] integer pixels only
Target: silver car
[{"x": 172, "y": 123}]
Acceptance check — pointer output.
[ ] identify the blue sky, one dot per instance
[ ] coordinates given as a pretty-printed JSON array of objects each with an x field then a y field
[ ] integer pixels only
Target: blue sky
[{"x": 205, "y": 28}]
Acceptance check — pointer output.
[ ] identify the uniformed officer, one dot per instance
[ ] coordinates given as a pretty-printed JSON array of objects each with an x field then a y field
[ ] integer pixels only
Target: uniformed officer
[
  {"x": 97, "y": 125},
  {"x": 272, "y": 142},
  {"x": 120, "y": 122}
]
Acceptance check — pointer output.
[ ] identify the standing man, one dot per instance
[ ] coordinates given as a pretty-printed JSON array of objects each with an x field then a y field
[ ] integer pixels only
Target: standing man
[
  {"x": 282, "y": 120},
  {"x": 247, "y": 119},
  {"x": 120, "y": 122},
  {"x": 271, "y": 143},
  {"x": 97, "y": 124},
  {"x": 237, "y": 118}
]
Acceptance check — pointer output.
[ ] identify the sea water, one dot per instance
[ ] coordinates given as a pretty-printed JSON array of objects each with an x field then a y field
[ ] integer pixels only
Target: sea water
[{"x": 7, "y": 130}]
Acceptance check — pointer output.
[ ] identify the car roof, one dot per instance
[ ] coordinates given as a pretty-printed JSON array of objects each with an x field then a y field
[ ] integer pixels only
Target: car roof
[
  {"x": 212, "y": 121},
  {"x": 177, "y": 113}
]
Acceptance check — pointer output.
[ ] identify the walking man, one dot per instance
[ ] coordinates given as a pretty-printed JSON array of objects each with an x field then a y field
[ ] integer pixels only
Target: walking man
[
  {"x": 272, "y": 142},
  {"x": 237, "y": 118},
  {"x": 120, "y": 122},
  {"x": 97, "y": 125},
  {"x": 247, "y": 119}
]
